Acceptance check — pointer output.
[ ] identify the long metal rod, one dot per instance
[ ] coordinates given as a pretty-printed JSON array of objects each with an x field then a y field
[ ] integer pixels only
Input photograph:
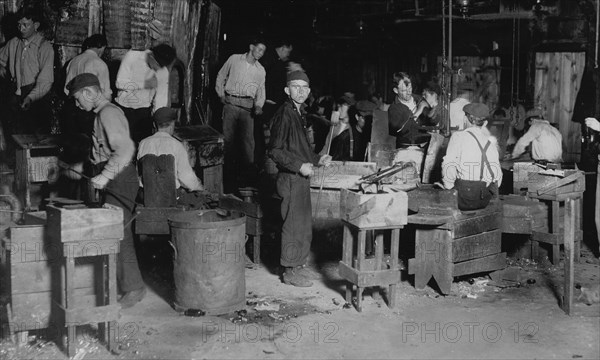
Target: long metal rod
[{"x": 323, "y": 178}]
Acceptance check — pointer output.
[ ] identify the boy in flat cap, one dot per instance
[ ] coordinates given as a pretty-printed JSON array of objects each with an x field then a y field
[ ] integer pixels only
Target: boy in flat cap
[
  {"x": 163, "y": 143},
  {"x": 290, "y": 149},
  {"x": 113, "y": 170},
  {"x": 472, "y": 156}
]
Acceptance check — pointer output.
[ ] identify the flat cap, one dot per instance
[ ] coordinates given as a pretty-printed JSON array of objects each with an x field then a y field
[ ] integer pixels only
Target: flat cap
[
  {"x": 477, "y": 109},
  {"x": 80, "y": 81},
  {"x": 164, "y": 115},
  {"x": 535, "y": 113},
  {"x": 297, "y": 75},
  {"x": 365, "y": 107}
]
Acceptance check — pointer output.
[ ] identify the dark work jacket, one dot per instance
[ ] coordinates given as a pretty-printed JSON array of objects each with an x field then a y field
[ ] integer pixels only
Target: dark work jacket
[
  {"x": 401, "y": 123},
  {"x": 290, "y": 147},
  {"x": 340, "y": 146}
]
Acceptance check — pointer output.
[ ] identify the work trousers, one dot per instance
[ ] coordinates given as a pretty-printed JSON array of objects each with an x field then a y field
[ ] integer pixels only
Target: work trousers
[
  {"x": 296, "y": 232},
  {"x": 238, "y": 133},
  {"x": 140, "y": 122},
  {"x": 121, "y": 192}
]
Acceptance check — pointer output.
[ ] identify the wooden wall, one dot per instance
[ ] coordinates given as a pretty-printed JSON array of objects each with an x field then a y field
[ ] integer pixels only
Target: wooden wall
[
  {"x": 557, "y": 80},
  {"x": 192, "y": 27}
]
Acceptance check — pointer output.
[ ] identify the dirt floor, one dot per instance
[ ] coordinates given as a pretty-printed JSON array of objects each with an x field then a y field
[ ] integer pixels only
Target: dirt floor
[{"x": 479, "y": 319}]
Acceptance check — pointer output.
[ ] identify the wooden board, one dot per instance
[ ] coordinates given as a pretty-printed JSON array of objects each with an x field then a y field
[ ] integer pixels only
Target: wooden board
[
  {"x": 341, "y": 174},
  {"x": 32, "y": 311},
  {"x": 372, "y": 210},
  {"x": 329, "y": 203},
  {"x": 476, "y": 246},
  {"x": 368, "y": 278},
  {"x": 86, "y": 224},
  {"x": 476, "y": 224},
  {"x": 430, "y": 197},
  {"x": 159, "y": 179},
  {"x": 41, "y": 276},
  {"x": 546, "y": 185},
  {"x": 557, "y": 81},
  {"x": 433, "y": 159},
  {"x": 212, "y": 179},
  {"x": 488, "y": 263}
]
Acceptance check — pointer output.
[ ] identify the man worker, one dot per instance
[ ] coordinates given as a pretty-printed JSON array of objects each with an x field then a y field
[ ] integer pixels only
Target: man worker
[
  {"x": 458, "y": 118},
  {"x": 291, "y": 151},
  {"x": 163, "y": 143},
  {"x": 545, "y": 139},
  {"x": 114, "y": 172},
  {"x": 240, "y": 85},
  {"x": 405, "y": 110},
  {"x": 27, "y": 61},
  {"x": 138, "y": 84},
  {"x": 88, "y": 61},
  {"x": 472, "y": 154}
]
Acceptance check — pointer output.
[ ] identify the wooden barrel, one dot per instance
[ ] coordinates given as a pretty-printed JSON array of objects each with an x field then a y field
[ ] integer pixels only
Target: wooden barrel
[{"x": 209, "y": 261}]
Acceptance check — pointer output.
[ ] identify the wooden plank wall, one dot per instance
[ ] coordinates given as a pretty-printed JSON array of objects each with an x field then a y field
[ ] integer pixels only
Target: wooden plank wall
[
  {"x": 117, "y": 23},
  {"x": 141, "y": 13},
  {"x": 557, "y": 80},
  {"x": 185, "y": 27},
  {"x": 209, "y": 65},
  {"x": 481, "y": 73}
]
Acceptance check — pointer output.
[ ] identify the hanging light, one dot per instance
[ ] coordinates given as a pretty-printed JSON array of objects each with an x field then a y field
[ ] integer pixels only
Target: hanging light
[{"x": 463, "y": 7}]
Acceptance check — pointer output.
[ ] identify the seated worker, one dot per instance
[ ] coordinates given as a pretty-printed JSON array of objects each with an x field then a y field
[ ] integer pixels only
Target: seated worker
[
  {"x": 351, "y": 143},
  {"x": 341, "y": 135},
  {"x": 472, "y": 156},
  {"x": 545, "y": 139},
  {"x": 432, "y": 113},
  {"x": 403, "y": 113},
  {"x": 163, "y": 143}
]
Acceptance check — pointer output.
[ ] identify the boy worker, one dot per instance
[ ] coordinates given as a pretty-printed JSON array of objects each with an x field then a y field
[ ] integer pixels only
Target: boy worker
[
  {"x": 112, "y": 155},
  {"x": 293, "y": 155}
]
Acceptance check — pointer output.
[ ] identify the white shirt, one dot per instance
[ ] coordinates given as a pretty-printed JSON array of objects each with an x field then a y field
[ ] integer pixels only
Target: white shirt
[
  {"x": 89, "y": 62},
  {"x": 239, "y": 77},
  {"x": 545, "y": 140},
  {"x": 463, "y": 158},
  {"x": 162, "y": 143},
  {"x": 133, "y": 73},
  {"x": 162, "y": 97},
  {"x": 457, "y": 115}
]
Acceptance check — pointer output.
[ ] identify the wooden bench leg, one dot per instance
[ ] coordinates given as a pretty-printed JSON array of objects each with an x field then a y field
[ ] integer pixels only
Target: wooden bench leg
[
  {"x": 256, "y": 249},
  {"x": 359, "y": 295},
  {"x": 571, "y": 222},
  {"x": 555, "y": 230},
  {"x": 71, "y": 334}
]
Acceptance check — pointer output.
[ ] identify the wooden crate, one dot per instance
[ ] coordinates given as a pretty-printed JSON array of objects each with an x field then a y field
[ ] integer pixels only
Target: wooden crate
[
  {"x": 374, "y": 210},
  {"x": 537, "y": 182},
  {"x": 85, "y": 224},
  {"x": 35, "y": 276}
]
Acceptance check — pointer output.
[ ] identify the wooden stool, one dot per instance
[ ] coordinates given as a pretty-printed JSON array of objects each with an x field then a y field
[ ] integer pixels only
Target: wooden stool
[
  {"x": 371, "y": 212},
  {"x": 450, "y": 243},
  {"x": 556, "y": 236},
  {"x": 87, "y": 232},
  {"x": 363, "y": 271}
]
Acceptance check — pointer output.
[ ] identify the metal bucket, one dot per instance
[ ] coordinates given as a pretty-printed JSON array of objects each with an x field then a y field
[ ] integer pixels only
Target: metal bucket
[{"x": 209, "y": 261}]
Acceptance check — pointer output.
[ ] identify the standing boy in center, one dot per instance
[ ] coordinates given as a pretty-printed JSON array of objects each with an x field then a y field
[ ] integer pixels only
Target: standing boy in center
[{"x": 291, "y": 151}]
